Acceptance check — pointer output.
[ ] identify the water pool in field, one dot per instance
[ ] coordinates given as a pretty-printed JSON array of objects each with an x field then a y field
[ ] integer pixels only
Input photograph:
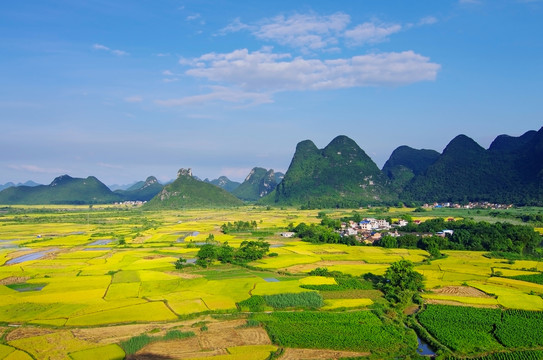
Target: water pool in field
[
  {"x": 28, "y": 257},
  {"x": 270, "y": 279},
  {"x": 423, "y": 348},
  {"x": 24, "y": 287},
  {"x": 7, "y": 244},
  {"x": 97, "y": 249},
  {"x": 100, "y": 242}
]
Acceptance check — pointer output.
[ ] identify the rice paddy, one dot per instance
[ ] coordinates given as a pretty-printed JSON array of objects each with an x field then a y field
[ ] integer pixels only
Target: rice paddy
[{"x": 106, "y": 266}]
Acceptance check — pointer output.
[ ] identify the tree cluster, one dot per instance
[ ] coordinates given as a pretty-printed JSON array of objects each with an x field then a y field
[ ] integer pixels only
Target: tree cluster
[
  {"x": 468, "y": 235},
  {"x": 248, "y": 251},
  {"x": 238, "y": 226}
]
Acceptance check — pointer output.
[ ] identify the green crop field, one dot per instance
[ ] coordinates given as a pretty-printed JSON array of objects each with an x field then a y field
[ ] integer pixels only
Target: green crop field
[{"x": 68, "y": 271}]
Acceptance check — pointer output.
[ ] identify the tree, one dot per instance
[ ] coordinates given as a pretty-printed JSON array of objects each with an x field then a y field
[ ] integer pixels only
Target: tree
[
  {"x": 180, "y": 263},
  {"x": 225, "y": 253},
  {"x": 401, "y": 281},
  {"x": 207, "y": 254}
]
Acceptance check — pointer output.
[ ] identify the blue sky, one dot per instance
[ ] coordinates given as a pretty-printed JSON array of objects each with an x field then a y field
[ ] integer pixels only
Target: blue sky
[{"x": 126, "y": 89}]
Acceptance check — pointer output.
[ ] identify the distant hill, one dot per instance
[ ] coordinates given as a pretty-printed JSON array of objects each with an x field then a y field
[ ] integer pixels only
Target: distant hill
[
  {"x": 63, "y": 190},
  {"x": 224, "y": 183},
  {"x": 142, "y": 190},
  {"x": 188, "y": 192},
  {"x": 259, "y": 183},
  {"x": 405, "y": 163},
  {"x": 11, "y": 184},
  {"x": 341, "y": 174},
  {"x": 510, "y": 171}
]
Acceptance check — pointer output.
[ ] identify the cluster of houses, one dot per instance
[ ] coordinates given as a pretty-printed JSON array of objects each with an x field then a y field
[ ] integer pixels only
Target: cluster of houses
[
  {"x": 131, "y": 203},
  {"x": 369, "y": 230},
  {"x": 470, "y": 205}
]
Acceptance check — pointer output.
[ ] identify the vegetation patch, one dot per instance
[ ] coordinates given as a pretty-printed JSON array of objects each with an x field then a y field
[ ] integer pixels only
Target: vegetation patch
[
  {"x": 303, "y": 300},
  {"x": 359, "y": 331},
  {"x": 475, "y": 330}
]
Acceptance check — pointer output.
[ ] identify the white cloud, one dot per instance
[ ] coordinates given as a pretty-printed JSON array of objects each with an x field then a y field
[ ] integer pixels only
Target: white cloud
[
  {"x": 303, "y": 31},
  {"x": 167, "y": 73},
  {"x": 428, "y": 20},
  {"x": 111, "y": 51},
  {"x": 251, "y": 78},
  {"x": 371, "y": 33},
  {"x": 235, "y": 26},
  {"x": 193, "y": 17},
  {"x": 220, "y": 93},
  {"x": 133, "y": 99},
  {"x": 266, "y": 71}
]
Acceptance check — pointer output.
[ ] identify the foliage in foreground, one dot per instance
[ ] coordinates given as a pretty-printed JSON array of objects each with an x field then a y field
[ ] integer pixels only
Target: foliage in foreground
[
  {"x": 517, "y": 355},
  {"x": 474, "y": 330},
  {"x": 358, "y": 331}
]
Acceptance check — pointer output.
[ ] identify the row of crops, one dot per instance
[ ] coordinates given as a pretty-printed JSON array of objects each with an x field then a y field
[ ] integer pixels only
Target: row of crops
[
  {"x": 358, "y": 330},
  {"x": 474, "y": 330},
  {"x": 517, "y": 355}
]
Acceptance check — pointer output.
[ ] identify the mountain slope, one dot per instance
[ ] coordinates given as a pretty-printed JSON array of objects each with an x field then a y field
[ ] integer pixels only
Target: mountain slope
[
  {"x": 188, "y": 192},
  {"x": 142, "y": 190},
  {"x": 405, "y": 163},
  {"x": 510, "y": 171},
  {"x": 341, "y": 174},
  {"x": 63, "y": 190},
  {"x": 224, "y": 183},
  {"x": 259, "y": 183}
]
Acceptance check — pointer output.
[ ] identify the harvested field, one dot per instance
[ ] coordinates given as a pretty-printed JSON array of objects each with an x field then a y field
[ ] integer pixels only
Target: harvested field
[
  {"x": 467, "y": 291},
  {"x": 111, "y": 334},
  {"x": 175, "y": 349},
  {"x": 225, "y": 334},
  {"x": 14, "y": 280},
  {"x": 184, "y": 275},
  {"x": 310, "y": 354},
  {"x": 456, "y": 303},
  {"x": 214, "y": 341},
  {"x": 26, "y": 332}
]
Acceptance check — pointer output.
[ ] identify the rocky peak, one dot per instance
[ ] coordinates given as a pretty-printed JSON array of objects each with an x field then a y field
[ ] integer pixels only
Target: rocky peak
[{"x": 184, "y": 172}]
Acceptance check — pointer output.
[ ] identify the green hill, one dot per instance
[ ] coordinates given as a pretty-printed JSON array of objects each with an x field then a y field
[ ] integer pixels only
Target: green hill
[
  {"x": 510, "y": 171},
  {"x": 340, "y": 175},
  {"x": 405, "y": 163},
  {"x": 224, "y": 183},
  {"x": 142, "y": 190},
  {"x": 188, "y": 192},
  {"x": 259, "y": 183},
  {"x": 63, "y": 190}
]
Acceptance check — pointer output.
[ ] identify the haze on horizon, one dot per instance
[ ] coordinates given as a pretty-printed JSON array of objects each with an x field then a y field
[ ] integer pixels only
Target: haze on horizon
[{"x": 122, "y": 90}]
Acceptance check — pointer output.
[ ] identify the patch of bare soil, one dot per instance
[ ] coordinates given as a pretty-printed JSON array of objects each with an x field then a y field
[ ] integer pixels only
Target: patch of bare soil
[
  {"x": 112, "y": 334},
  {"x": 340, "y": 262},
  {"x": 14, "y": 280},
  {"x": 466, "y": 291},
  {"x": 411, "y": 310},
  {"x": 456, "y": 303},
  {"x": 219, "y": 336},
  {"x": 176, "y": 349},
  {"x": 310, "y": 354},
  {"x": 184, "y": 275},
  {"x": 26, "y": 332},
  {"x": 152, "y": 257}
]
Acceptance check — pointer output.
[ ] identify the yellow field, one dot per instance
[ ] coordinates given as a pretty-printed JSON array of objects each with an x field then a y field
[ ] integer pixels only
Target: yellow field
[
  {"x": 331, "y": 304},
  {"x": 84, "y": 285}
]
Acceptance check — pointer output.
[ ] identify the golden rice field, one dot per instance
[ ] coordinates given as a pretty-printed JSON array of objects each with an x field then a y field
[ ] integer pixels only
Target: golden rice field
[{"x": 69, "y": 268}]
